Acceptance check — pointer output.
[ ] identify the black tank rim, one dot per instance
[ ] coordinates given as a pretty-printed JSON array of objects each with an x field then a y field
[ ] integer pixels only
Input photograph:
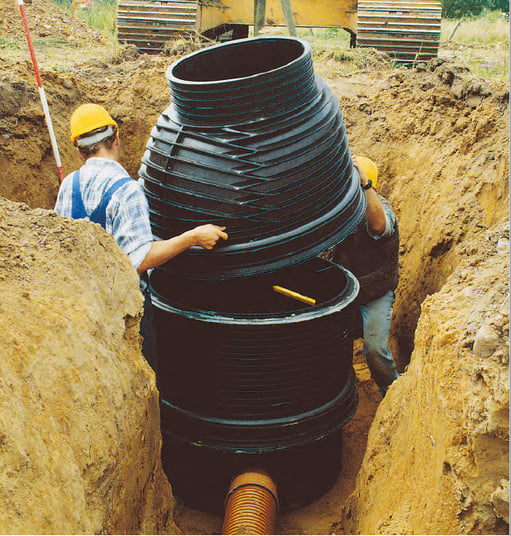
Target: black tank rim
[
  {"x": 336, "y": 304},
  {"x": 173, "y": 79}
]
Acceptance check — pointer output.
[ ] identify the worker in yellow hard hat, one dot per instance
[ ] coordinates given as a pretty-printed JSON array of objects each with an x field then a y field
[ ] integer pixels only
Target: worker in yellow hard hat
[
  {"x": 103, "y": 192},
  {"x": 371, "y": 253}
]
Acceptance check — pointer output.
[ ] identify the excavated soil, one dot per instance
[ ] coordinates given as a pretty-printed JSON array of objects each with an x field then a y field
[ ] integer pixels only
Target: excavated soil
[
  {"x": 79, "y": 415},
  {"x": 440, "y": 137}
]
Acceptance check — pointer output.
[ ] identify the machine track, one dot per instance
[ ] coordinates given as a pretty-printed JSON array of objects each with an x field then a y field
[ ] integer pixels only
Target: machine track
[
  {"x": 149, "y": 24},
  {"x": 409, "y": 31}
]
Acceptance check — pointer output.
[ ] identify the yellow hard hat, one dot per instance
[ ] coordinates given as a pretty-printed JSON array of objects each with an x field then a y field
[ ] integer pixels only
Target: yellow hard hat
[
  {"x": 89, "y": 117},
  {"x": 369, "y": 168}
]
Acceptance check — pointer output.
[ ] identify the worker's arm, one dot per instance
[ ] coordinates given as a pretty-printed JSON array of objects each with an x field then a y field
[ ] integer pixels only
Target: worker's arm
[
  {"x": 205, "y": 236},
  {"x": 375, "y": 215}
]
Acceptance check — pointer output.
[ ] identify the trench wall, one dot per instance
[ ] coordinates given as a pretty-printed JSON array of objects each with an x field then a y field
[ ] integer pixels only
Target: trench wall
[
  {"x": 437, "y": 454},
  {"x": 441, "y": 140},
  {"x": 79, "y": 416},
  {"x": 438, "y": 448}
]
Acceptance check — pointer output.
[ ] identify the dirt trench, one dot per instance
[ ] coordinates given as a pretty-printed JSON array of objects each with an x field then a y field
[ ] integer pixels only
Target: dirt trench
[{"x": 439, "y": 137}]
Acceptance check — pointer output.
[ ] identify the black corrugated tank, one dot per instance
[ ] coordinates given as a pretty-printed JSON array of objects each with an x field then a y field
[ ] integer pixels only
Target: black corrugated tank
[
  {"x": 248, "y": 372},
  {"x": 254, "y": 141}
]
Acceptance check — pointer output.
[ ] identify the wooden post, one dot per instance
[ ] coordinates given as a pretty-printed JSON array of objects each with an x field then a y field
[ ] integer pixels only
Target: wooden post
[
  {"x": 287, "y": 11},
  {"x": 259, "y": 15}
]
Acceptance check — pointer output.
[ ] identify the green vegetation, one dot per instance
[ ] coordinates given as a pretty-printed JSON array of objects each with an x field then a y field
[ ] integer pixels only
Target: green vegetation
[
  {"x": 100, "y": 14},
  {"x": 456, "y": 9},
  {"x": 334, "y": 39},
  {"x": 55, "y": 42},
  {"x": 332, "y": 46},
  {"x": 13, "y": 44},
  {"x": 481, "y": 43},
  {"x": 490, "y": 27}
]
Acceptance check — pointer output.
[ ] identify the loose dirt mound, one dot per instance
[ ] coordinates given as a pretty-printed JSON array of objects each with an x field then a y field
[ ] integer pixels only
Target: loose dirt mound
[{"x": 45, "y": 19}]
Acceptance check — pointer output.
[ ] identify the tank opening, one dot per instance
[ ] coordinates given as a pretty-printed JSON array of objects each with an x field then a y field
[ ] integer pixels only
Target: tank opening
[
  {"x": 254, "y": 297},
  {"x": 238, "y": 60}
]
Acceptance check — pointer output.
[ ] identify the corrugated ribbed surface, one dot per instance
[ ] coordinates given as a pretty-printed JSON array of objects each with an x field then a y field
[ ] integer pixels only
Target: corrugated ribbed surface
[
  {"x": 251, "y": 509},
  {"x": 237, "y": 362},
  {"x": 253, "y": 141}
]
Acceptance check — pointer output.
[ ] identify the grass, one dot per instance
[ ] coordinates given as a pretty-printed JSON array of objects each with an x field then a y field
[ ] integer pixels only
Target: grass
[
  {"x": 54, "y": 42},
  {"x": 101, "y": 15},
  {"x": 490, "y": 27},
  {"x": 326, "y": 36},
  {"x": 12, "y": 44},
  {"x": 482, "y": 44}
]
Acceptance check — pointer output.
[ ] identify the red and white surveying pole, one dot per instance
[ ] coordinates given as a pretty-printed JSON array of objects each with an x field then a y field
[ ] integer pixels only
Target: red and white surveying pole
[{"x": 41, "y": 92}]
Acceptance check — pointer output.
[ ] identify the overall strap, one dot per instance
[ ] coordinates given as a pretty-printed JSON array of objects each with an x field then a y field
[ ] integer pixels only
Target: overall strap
[
  {"x": 99, "y": 213},
  {"x": 77, "y": 206}
]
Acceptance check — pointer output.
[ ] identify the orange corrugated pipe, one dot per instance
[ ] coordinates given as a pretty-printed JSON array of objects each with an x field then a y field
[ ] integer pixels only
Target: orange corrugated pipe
[{"x": 251, "y": 504}]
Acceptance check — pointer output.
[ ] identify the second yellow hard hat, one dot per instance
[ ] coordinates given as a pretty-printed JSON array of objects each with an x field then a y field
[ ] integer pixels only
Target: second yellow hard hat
[{"x": 369, "y": 168}]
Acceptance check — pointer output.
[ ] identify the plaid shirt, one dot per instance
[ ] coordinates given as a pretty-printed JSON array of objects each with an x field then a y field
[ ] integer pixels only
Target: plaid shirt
[{"x": 127, "y": 214}]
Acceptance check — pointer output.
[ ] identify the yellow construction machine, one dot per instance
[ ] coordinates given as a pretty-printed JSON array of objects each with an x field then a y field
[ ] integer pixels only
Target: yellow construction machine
[{"x": 408, "y": 30}]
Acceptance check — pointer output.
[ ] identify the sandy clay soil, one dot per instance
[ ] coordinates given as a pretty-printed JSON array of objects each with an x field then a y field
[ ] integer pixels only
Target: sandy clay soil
[{"x": 439, "y": 135}]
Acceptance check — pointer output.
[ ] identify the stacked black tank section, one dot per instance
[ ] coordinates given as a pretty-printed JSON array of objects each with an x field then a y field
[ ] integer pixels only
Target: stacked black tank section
[{"x": 253, "y": 141}]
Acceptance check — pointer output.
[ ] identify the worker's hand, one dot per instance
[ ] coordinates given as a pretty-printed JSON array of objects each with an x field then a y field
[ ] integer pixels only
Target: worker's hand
[
  {"x": 206, "y": 236},
  {"x": 363, "y": 177}
]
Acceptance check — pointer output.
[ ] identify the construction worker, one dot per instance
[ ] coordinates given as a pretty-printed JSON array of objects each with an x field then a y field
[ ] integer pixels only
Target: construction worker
[
  {"x": 102, "y": 191},
  {"x": 371, "y": 253}
]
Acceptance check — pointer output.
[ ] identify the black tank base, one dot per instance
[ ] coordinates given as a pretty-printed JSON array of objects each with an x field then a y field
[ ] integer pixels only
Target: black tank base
[{"x": 201, "y": 476}]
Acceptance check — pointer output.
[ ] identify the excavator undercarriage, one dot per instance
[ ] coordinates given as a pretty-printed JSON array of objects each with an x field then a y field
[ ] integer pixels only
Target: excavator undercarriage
[
  {"x": 149, "y": 24},
  {"x": 407, "y": 30}
]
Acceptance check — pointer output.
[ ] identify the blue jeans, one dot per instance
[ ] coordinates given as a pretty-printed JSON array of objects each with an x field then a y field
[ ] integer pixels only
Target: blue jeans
[{"x": 376, "y": 319}]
